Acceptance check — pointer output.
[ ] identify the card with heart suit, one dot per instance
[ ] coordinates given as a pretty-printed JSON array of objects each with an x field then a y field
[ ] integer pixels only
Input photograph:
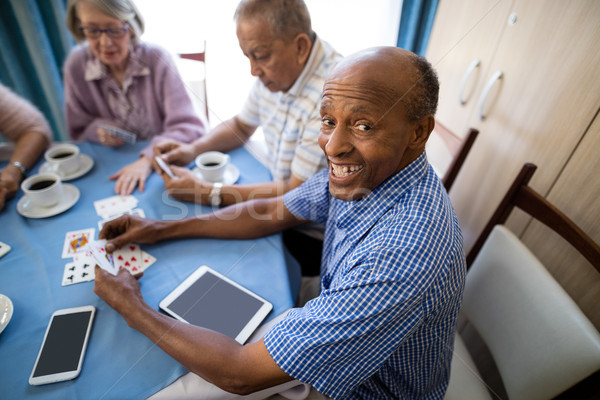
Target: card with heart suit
[
  {"x": 75, "y": 242},
  {"x": 82, "y": 267},
  {"x": 128, "y": 257},
  {"x": 114, "y": 205}
]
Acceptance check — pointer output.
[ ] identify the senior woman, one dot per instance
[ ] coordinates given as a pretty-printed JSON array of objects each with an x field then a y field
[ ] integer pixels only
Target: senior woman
[{"x": 112, "y": 79}]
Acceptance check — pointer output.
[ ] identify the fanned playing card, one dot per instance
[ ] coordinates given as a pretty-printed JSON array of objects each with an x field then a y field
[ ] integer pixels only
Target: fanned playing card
[
  {"x": 98, "y": 253},
  {"x": 75, "y": 242},
  {"x": 130, "y": 258}
]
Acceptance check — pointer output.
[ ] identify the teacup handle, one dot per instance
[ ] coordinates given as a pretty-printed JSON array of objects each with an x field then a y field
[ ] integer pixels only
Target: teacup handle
[{"x": 227, "y": 157}]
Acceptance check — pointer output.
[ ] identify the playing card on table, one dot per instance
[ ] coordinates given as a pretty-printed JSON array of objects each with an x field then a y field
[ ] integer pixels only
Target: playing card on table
[
  {"x": 114, "y": 205},
  {"x": 136, "y": 211},
  {"x": 80, "y": 270},
  {"x": 76, "y": 241},
  {"x": 98, "y": 253}
]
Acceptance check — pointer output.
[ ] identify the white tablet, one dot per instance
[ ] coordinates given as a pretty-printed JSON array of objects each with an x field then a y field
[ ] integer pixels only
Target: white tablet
[{"x": 211, "y": 300}]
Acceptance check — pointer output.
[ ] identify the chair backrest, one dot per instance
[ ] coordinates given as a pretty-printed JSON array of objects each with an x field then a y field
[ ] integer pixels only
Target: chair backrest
[
  {"x": 203, "y": 96},
  {"x": 457, "y": 147},
  {"x": 540, "y": 340}
]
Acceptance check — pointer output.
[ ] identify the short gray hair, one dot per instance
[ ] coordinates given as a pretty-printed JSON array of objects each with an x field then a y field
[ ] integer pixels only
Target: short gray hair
[
  {"x": 285, "y": 18},
  {"x": 123, "y": 10},
  {"x": 424, "y": 99}
]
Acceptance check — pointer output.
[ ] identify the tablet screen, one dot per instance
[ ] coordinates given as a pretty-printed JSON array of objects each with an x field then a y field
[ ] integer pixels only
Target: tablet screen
[{"x": 210, "y": 300}]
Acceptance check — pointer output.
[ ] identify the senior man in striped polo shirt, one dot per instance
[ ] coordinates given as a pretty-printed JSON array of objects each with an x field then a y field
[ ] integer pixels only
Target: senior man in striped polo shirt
[
  {"x": 393, "y": 266},
  {"x": 291, "y": 63}
]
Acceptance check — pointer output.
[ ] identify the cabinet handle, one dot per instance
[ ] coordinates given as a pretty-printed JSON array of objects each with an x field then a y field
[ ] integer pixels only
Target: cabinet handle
[
  {"x": 486, "y": 91},
  {"x": 463, "y": 83}
]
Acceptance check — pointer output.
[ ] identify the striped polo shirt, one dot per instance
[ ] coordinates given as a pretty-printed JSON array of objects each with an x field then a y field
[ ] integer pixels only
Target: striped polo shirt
[
  {"x": 291, "y": 121},
  {"x": 392, "y": 278}
]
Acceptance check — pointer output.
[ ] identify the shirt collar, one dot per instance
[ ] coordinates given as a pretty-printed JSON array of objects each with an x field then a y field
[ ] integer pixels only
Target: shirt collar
[
  {"x": 316, "y": 54},
  {"x": 95, "y": 70},
  {"x": 370, "y": 208}
]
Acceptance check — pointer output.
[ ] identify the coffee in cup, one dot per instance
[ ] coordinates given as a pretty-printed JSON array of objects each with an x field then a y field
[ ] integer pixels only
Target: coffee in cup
[
  {"x": 63, "y": 158},
  {"x": 212, "y": 165},
  {"x": 43, "y": 190}
]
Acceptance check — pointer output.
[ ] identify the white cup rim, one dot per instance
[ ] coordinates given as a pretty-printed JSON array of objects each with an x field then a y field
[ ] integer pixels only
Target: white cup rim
[
  {"x": 25, "y": 185},
  {"x": 223, "y": 159},
  {"x": 62, "y": 146}
]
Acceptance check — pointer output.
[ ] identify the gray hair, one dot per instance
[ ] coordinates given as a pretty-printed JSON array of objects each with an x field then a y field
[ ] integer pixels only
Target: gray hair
[
  {"x": 123, "y": 10},
  {"x": 424, "y": 96},
  {"x": 285, "y": 18}
]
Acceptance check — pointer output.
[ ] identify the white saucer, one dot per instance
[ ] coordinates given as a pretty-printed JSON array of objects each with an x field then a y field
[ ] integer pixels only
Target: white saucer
[
  {"x": 70, "y": 197},
  {"x": 85, "y": 164},
  {"x": 6, "y": 311},
  {"x": 231, "y": 176}
]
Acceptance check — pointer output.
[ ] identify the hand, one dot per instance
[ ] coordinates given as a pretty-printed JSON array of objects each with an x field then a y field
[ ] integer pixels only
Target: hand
[
  {"x": 107, "y": 139},
  {"x": 9, "y": 185},
  {"x": 131, "y": 175},
  {"x": 186, "y": 186},
  {"x": 174, "y": 152},
  {"x": 121, "y": 292},
  {"x": 129, "y": 229}
]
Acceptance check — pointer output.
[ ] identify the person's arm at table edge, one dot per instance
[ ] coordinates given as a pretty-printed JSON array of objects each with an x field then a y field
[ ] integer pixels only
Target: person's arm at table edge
[
  {"x": 211, "y": 355},
  {"x": 247, "y": 220},
  {"x": 231, "y": 194}
]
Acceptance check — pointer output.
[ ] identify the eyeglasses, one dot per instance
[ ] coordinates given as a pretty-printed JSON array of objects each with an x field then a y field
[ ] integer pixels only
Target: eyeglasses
[{"x": 92, "y": 32}]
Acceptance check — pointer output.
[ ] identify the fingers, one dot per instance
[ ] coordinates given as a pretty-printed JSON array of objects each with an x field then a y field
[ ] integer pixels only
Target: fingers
[{"x": 126, "y": 184}]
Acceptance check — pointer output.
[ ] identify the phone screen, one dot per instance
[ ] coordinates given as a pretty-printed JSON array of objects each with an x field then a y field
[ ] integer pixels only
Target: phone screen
[{"x": 62, "y": 348}]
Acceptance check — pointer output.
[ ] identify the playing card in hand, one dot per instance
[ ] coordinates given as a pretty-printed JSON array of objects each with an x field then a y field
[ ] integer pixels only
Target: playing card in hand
[
  {"x": 96, "y": 250},
  {"x": 129, "y": 257}
]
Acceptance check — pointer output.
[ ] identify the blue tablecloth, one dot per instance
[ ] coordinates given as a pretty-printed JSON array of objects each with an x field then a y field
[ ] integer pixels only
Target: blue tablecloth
[{"x": 120, "y": 362}]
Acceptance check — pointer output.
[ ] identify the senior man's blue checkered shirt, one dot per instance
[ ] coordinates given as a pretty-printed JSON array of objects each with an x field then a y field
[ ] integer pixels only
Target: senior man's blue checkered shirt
[{"x": 392, "y": 277}]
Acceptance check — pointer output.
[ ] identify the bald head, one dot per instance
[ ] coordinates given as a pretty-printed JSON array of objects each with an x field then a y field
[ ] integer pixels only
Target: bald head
[{"x": 394, "y": 77}]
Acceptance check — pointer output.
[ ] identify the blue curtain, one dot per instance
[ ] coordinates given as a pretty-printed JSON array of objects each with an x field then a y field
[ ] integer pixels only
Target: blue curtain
[
  {"x": 416, "y": 21},
  {"x": 34, "y": 43}
]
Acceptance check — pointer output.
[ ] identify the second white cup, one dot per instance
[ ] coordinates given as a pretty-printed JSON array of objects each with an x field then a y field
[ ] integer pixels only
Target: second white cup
[
  {"x": 212, "y": 165},
  {"x": 63, "y": 158}
]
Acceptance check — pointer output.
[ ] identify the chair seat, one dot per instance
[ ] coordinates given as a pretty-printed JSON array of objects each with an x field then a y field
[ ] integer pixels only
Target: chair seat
[{"x": 465, "y": 381}]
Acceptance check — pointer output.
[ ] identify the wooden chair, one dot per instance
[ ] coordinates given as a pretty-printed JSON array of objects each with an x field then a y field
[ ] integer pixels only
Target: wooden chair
[
  {"x": 457, "y": 147},
  {"x": 203, "y": 97},
  {"x": 541, "y": 342}
]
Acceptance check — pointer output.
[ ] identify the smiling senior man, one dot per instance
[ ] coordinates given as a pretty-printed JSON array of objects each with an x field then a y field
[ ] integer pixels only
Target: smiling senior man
[{"x": 393, "y": 265}]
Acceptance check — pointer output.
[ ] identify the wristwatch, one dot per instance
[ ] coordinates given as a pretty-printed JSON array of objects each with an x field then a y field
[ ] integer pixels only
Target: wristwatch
[
  {"x": 215, "y": 194},
  {"x": 20, "y": 166}
]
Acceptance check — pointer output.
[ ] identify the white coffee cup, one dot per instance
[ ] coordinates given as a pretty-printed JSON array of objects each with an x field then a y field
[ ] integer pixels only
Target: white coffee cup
[
  {"x": 43, "y": 190},
  {"x": 212, "y": 165},
  {"x": 63, "y": 158}
]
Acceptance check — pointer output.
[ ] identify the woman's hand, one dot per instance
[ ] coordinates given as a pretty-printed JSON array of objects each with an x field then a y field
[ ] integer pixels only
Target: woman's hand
[{"x": 132, "y": 175}]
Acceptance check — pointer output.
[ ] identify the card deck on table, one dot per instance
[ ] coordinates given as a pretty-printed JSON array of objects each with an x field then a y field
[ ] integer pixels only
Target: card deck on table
[
  {"x": 114, "y": 205},
  {"x": 136, "y": 211},
  {"x": 75, "y": 241}
]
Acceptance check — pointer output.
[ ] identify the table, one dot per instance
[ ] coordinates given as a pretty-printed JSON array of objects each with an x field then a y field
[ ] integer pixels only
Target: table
[{"x": 120, "y": 362}]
